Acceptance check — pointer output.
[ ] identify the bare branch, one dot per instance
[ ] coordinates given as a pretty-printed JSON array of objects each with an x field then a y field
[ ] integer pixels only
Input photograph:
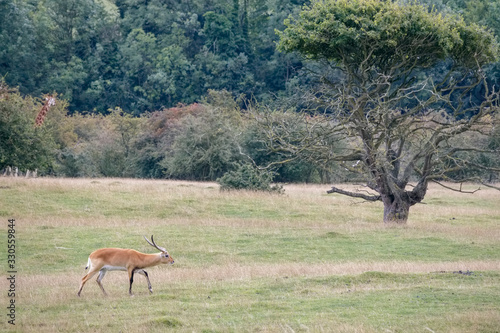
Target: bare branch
[
  {"x": 355, "y": 194},
  {"x": 491, "y": 186},
  {"x": 456, "y": 190}
]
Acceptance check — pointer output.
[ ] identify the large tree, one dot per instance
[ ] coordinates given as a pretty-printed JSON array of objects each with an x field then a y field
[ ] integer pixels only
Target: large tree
[{"x": 396, "y": 83}]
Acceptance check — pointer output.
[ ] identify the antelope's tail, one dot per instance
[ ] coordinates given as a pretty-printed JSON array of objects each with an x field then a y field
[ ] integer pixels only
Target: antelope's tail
[{"x": 88, "y": 264}]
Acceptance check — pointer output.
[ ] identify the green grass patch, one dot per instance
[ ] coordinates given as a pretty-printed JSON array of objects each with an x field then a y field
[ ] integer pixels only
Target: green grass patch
[
  {"x": 59, "y": 248},
  {"x": 374, "y": 301}
]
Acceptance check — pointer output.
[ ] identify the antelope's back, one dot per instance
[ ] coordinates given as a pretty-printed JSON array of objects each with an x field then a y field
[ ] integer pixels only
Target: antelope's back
[{"x": 113, "y": 256}]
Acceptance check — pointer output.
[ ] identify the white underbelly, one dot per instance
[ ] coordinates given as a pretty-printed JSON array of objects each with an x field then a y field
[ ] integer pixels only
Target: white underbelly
[{"x": 113, "y": 268}]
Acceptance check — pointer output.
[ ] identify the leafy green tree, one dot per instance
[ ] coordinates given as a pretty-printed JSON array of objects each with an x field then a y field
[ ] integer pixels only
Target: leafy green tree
[
  {"x": 484, "y": 12},
  {"x": 138, "y": 54},
  {"x": 67, "y": 32},
  {"x": 168, "y": 83},
  {"x": 401, "y": 125},
  {"x": 218, "y": 31}
]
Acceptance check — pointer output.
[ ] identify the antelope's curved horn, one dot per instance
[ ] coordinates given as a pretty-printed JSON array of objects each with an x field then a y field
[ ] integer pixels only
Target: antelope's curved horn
[{"x": 153, "y": 244}]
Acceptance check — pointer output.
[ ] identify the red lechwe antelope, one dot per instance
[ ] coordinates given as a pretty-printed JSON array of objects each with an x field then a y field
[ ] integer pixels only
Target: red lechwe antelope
[{"x": 132, "y": 261}]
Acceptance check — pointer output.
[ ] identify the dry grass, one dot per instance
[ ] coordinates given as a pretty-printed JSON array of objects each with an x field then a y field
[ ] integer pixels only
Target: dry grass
[
  {"x": 69, "y": 281},
  {"x": 347, "y": 214}
]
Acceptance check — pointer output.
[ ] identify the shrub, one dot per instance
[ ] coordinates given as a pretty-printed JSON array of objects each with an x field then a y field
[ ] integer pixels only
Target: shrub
[
  {"x": 204, "y": 147},
  {"x": 247, "y": 177}
]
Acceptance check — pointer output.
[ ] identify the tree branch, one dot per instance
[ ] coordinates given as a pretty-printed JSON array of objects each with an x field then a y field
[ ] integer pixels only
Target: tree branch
[
  {"x": 355, "y": 195},
  {"x": 454, "y": 189}
]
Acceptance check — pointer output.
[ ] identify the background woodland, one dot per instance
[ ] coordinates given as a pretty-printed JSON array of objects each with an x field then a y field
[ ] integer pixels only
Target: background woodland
[{"x": 162, "y": 89}]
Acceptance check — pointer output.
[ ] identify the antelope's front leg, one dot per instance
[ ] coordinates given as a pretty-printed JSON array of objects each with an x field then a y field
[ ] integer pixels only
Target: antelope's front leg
[{"x": 143, "y": 272}]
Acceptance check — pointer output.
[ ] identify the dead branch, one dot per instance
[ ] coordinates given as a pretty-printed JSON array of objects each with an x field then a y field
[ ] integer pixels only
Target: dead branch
[{"x": 355, "y": 195}]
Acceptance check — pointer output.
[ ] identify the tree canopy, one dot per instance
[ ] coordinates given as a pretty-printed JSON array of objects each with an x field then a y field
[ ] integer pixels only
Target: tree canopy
[{"x": 359, "y": 35}]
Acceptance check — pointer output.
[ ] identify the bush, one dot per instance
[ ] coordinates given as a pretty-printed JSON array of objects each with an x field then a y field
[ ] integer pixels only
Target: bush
[
  {"x": 247, "y": 177},
  {"x": 204, "y": 147}
]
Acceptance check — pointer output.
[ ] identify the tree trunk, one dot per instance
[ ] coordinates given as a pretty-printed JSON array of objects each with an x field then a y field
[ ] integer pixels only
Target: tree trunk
[
  {"x": 396, "y": 205},
  {"x": 396, "y": 211}
]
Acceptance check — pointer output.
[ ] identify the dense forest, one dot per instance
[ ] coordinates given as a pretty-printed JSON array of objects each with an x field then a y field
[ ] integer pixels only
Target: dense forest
[
  {"x": 158, "y": 88},
  {"x": 144, "y": 55}
]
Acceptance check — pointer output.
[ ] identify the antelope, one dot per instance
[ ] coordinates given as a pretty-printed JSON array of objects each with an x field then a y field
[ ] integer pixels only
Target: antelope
[{"x": 132, "y": 261}]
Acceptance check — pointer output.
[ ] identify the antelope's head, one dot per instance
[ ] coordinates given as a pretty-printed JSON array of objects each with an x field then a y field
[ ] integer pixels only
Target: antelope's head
[{"x": 165, "y": 257}]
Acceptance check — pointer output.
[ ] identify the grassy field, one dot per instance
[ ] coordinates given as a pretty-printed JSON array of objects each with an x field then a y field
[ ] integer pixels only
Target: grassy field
[{"x": 250, "y": 262}]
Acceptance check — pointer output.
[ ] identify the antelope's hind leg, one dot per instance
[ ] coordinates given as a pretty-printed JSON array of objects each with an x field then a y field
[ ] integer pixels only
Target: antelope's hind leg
[
  {"x": 102, "y": 272},
  {"x": 89, "y": 275}
]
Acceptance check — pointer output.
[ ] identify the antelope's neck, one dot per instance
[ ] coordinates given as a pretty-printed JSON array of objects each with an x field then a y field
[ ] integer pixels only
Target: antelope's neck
[{"x": 151, "y": 260}]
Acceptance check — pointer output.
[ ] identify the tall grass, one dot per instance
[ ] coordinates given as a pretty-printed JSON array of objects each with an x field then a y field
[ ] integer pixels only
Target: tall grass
[{"x": 247, "y": 261}]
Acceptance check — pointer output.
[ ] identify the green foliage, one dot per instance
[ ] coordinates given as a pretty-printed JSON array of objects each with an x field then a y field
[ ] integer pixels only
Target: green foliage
[
  {"x": 147, "y": 55},
  {"x": 217, "y": 29},
  {"x": 22, "y": 144},
  {"x": 383, "y": 34},
  {"x": 17, "y": 44},
  {"x": 483, "y": 12},
  {"x": 103, "y": 146},
  {"x": 204, "y": 147},
  {"x": 248, "y": 177},
  {"x": 142, "y": 56},
  {"x": 166, "y": 82},
  {"x": 403, "y": 121}
]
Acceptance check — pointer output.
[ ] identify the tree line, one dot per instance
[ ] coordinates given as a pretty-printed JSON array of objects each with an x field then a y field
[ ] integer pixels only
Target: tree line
[{"x": 199, "y": 141}]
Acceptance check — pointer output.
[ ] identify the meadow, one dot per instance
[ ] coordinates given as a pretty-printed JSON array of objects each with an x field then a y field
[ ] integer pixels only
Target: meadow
[{"x": 304, "y": 261}]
